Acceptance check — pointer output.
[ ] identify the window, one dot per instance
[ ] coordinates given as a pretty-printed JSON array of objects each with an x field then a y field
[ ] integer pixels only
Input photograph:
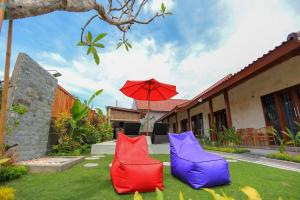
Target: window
[
  {"x": 220, "y": 119},
  {"x": 174, "y": 128},
  {"x": 197, "y": 125},
  {"x": 183, "y": 125}
]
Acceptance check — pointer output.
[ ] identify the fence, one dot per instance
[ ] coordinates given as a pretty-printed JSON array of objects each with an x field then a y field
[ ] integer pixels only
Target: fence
[{"x": 63, "y": 102}]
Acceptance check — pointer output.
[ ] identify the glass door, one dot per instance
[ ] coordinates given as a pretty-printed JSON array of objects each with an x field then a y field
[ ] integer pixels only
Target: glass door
[
  {"x": 290, "y": 110},
  {"x": 197, "y": 125},
  {"x": 271, "y": 114}
]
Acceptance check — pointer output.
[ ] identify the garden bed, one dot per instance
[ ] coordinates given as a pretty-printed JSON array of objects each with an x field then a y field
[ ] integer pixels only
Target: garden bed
[
  {"x": 51, "y": 164},
  {"x": 284, "y": 156},
  {"x": 226, "y": 149}
]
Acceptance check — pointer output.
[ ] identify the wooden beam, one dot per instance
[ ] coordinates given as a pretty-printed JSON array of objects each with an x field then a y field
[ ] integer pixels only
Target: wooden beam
[
  {"x": 189, "y": 120},
  {"x": 227, "y": 107},
  {"x": 212, "y": 120},
  {"x": 5, "y": 88}
]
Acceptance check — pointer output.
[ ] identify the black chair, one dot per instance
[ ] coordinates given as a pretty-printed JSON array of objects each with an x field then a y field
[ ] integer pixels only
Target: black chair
[
  {"x": 132, "y": 128},
  {"x": 160, "y": 133}
]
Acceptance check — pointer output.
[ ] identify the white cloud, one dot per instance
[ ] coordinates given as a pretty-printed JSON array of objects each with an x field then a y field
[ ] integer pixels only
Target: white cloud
[
  {"x": 253, "y": 29},
  {"x": 51, "y": 56},
  {"x": 256, "y": 27},
  {"x": 155, "y": 5}
]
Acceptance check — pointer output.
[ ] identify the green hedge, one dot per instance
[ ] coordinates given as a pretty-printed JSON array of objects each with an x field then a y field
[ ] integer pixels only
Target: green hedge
[
  {"x": 284, "y": 156},
  {"x": 226, "y": 149},
  {"x": 12, "y": 172}
]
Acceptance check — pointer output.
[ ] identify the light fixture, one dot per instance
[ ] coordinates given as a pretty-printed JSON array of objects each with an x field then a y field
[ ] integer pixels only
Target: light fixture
[
  {"x": 200, "y": 100},
  {"x": 55, "y": 74}
]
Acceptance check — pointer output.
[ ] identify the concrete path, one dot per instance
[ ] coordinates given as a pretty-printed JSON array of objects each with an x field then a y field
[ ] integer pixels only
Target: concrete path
[
  {"x": 259, "y": 159},
  {"x": 110, "y": 146},
  {"x": 255, "y": 156}
]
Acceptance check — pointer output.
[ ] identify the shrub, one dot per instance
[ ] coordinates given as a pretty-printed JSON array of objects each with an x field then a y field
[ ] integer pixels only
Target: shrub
[
  {"x": 66, "y": 145},
  {"x": 61, "y": 125},
  {"x": 12, "y": 172},
  {"x": 284, "y": 156},
  {"x": 226, "y": 149},
  {"x": 106, "y": 132},
  {"x": 7, "y": 193}
]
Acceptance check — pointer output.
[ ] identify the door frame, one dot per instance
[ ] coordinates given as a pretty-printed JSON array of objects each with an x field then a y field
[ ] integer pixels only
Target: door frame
[{"x": 279, "y": 108}]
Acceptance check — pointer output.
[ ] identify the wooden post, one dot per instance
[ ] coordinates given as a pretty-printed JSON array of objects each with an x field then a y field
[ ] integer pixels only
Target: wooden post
[
  {"x": 189, "y": 119},
  {"x": 5, "y": 88},
  {"x": 212, "y": 120},
  {"x": 3, "y": 4},
  {"x": 176, "y": 119},
  {"x": 227, "y": 107}
]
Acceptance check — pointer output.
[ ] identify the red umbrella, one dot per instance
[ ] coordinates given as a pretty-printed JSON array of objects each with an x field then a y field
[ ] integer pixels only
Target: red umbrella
[{"x": 150, "y": 90}]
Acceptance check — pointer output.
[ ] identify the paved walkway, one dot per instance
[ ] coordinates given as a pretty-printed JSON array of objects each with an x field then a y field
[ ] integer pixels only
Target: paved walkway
[
  {"x": 255, "y": 156},
  {"x": 259, "y": 159}
]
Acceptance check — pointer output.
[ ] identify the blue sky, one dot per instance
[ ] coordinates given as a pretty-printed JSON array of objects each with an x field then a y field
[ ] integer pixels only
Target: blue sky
[{"x": 202, "y": 42}]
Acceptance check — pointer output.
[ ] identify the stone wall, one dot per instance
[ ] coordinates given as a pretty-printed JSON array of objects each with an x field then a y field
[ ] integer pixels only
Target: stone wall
[{"x": 34, "y": 87}]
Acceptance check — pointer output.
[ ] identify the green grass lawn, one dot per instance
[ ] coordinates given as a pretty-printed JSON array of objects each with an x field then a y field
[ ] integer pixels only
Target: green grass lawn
[{"x": 79, "y": 183}]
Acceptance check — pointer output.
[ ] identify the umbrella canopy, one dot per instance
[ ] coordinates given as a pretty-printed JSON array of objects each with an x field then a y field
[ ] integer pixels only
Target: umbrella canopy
[{"x": 150, "y": 90}]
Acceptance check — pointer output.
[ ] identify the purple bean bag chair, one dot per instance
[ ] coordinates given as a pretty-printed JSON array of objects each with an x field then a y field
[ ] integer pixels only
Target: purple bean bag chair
[{"x": 191, "y": 164}]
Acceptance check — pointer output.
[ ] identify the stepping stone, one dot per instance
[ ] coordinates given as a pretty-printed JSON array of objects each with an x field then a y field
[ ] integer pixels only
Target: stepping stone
[
  {"x": 98, "y": 156},
  {"x": 230, "y": 160},
  {"x": 90, "y": 165},
  {"x": 109, "y": 164},
  {"x": 92, "y": 158}
]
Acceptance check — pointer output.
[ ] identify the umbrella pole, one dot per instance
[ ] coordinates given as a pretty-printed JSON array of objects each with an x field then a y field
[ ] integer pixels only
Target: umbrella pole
[{"x": 148, "y": 118}]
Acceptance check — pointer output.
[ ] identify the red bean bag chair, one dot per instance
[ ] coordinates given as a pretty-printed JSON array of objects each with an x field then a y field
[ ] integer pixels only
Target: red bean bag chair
[{"x": 132, "y": 168}]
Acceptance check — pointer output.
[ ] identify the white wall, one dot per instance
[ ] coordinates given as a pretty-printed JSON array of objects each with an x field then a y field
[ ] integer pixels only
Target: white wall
[{"x": 245, "y": 99}]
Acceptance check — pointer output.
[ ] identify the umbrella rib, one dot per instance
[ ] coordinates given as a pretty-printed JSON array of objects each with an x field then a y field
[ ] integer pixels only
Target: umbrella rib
[
  {"x": 135, "y": 91},
  {"x": 161, "y": 93},
  {"x": 133, "y": 85}
]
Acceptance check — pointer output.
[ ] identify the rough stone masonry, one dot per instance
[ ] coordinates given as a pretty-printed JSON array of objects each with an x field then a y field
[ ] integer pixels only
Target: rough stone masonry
[{"x": 34, "y": 87}]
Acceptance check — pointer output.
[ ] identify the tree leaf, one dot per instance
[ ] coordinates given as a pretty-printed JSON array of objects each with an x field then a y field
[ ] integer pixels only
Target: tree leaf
[
  {"x": 96, "y": 56},
  {"x": 251, "y": 193},
  {"x": 100, "y": 36},
  {"x": 168, "y": 13},
  {"x": 80, "y": 44},
  {"x": 181, "y": 197},
  {"x": 89, "y": 37},
  {"x": 137, "y": 196},
  {"x": 129, "y": 45},
  {"x": 159, "y": 194},
  {"x": 89, "y": 50},
  {"x": 99, "y": 45},
  {"x": 126, "y": 47},
  {"x": 163, "y": 8},
  {"x": 119, "y": 44},
  {"x": 97, "y": 93}
]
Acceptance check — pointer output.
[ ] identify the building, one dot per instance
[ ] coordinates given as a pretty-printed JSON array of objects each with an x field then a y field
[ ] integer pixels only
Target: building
[
  {"x": 116, "y": 116},
  {"x": 264, "y": 93},
  {"x": 157, "y": 110}
]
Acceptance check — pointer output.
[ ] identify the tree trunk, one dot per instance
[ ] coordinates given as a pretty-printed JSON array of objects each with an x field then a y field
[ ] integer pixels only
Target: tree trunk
[{"x": 28, "y": 8}]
